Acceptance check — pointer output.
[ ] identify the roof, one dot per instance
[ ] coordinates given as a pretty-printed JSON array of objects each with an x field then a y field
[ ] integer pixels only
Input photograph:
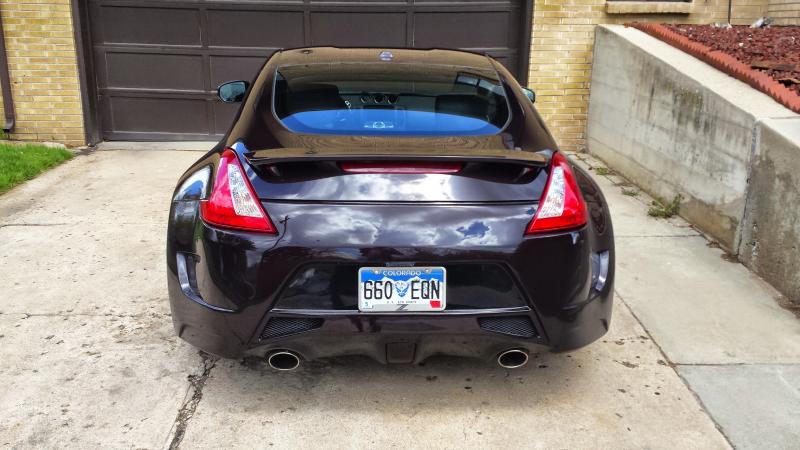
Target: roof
[{"x": 310, "y": 55}]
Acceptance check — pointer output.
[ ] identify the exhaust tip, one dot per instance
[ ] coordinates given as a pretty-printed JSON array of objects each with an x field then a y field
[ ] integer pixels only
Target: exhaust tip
[
  {"x": 283, "y": 360},
  {"x": 513, "y": 359}
]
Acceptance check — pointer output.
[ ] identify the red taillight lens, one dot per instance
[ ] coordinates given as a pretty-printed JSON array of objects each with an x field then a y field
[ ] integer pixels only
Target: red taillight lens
[
  {"x": 400, "y": 167},
  {"x": 232, "y": 203},
  {"x": 562, "y": 206}
]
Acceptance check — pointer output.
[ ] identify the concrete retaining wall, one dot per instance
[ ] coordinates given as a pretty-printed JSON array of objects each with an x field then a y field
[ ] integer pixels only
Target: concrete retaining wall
[
  {"x": 675, "y": 125},
  {"x": 771, "y": 228}
]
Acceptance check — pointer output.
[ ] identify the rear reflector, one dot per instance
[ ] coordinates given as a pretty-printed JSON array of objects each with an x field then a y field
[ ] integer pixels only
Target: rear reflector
[
  {"x": 232, "y": 203},
  {"x": 562, "y": 206},
  {"x": 400, "y": 167}
]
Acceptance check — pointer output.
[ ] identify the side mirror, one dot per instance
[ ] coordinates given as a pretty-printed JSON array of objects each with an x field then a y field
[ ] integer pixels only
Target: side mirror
[
  {"x": 232, "y": 91},
  {"x": 530, "y": 94}
]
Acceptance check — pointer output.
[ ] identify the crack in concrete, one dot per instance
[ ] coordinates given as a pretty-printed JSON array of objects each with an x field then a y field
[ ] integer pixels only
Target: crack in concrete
[
  {"x": 122, "y": 315},
  {"x": 656, "y": 236},
  {"x": 109, "y": 150},
  {"x": 189, "y": 407},
  {"x": 94, "y": 223},
  {"x": 3, "y": 225},
  {"x": 738, "y": 364}
]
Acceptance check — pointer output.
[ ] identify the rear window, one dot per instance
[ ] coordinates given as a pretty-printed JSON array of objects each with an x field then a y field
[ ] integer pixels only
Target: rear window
[{"x": 391, "y": 99}]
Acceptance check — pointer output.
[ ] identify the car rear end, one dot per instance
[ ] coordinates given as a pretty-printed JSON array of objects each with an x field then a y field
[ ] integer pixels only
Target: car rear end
[
  {"x": 283, "y": 273},
  {"x": 398, "y": 219}
]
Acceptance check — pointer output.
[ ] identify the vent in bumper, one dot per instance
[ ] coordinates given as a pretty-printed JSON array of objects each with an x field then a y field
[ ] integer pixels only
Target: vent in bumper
[
  {"x": 284, "y": 326},
  {"x": 519, "y": 326}
]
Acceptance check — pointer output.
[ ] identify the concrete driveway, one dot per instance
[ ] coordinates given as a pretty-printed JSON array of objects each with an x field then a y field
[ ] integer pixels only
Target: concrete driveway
[{"x": 90, "y": 358}]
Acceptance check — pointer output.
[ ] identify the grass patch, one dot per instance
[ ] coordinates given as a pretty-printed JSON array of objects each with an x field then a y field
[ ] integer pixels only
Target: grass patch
[
  {"x": 20, "y": 163},
  {"x": 602, "y": 171},
  {"x": 630, "y": 192},
  {"x": 659, "y": 209}
]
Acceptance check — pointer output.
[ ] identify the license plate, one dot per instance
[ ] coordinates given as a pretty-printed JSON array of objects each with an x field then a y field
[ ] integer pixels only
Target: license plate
[{"x": 392, "y": 289}]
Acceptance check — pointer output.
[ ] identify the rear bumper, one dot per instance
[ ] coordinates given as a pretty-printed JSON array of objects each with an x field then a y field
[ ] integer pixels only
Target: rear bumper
[
  {"x": 399, "y": 339},
  {"x": 413, "y": 338},
  {"x": 238, "y": 277},
  {"x": 388, "y": 338}
]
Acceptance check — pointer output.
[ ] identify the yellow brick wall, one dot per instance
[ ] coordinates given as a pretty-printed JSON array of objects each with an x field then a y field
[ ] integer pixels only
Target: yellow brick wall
[
  {"x": 561, "y": 53},
  {"x": 43, "y": 69},
  {"x": 785, "y": 12}
]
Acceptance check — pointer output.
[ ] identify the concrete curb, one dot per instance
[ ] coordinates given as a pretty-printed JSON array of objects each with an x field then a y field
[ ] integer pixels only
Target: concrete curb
[{"x": 723, "y": 62}]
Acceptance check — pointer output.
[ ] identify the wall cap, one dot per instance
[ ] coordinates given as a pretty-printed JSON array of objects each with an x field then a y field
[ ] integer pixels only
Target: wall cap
[{"x": 626, "y": 7}]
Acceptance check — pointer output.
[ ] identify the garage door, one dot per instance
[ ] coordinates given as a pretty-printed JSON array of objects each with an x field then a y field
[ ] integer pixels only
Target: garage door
[{"x": 156, "y": 63}]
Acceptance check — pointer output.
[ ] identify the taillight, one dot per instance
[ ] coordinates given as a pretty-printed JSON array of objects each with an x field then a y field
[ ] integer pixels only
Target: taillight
[
  {"x": 400, "y": 167},
  {"x": 233, "y": 203},
  {"x": 562, "y": 206}
]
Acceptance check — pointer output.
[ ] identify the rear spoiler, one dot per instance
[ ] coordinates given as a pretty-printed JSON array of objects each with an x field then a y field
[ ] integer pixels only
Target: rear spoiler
[{"x": 442, "y": 154}]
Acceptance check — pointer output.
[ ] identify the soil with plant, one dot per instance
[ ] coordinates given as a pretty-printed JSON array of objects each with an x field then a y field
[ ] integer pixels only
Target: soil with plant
[
  {"x": 774, "y": 50},
  {"x": 664, "y": 209}
]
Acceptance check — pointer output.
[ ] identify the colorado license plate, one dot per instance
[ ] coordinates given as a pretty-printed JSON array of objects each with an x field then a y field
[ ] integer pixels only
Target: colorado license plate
[{"x": 393, "y": 289}]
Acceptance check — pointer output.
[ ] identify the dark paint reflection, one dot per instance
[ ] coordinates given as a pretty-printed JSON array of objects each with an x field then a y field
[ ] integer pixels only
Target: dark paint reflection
[{"x": 404, "y": 226}]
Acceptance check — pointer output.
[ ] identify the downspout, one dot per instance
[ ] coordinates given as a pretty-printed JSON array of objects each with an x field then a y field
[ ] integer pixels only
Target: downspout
[
  {"x": 730, "y": 10},
  {"x": 5, "y": 83}
]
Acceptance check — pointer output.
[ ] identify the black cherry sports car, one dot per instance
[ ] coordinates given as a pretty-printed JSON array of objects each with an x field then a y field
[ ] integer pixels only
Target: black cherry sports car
[{"x": 391, "y": 203}]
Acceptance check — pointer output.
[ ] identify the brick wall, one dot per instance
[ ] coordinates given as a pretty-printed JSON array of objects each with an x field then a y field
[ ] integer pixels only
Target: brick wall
[
  {"x": 785, "y": 12},
  {"x": 43, "y": 69},
  {"x": 561, "y": 51}
]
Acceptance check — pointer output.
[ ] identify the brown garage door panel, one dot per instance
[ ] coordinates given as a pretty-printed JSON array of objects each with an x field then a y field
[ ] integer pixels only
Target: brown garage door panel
[
  {"x": 465, "y": 29},
  {"x": 153, "y": 26},
  {"x": 249, "y": 28},
  {"x": 155, "y": 71},
  {"x": 157, "y": 62},
  {"x": 353, "y": 30},
  {"x": 131, "y": 114}
]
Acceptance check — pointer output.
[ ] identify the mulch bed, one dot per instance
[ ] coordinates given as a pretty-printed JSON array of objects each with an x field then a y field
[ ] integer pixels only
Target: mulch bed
[
  {"x": 773, "y": 50},
  {"x": 767, "y": 59}
]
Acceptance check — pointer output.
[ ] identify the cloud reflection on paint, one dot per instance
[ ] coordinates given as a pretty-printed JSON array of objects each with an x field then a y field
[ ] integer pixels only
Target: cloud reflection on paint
[{"x": 406, "y": 225}]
